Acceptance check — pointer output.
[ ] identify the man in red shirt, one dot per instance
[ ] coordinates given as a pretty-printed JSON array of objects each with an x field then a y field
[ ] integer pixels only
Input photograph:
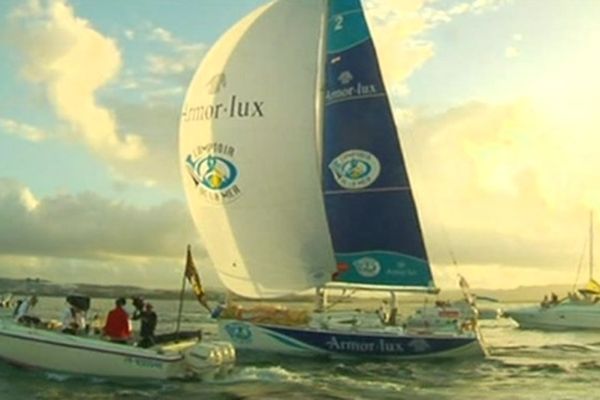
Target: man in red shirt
[{"x": 118, "y": 326}]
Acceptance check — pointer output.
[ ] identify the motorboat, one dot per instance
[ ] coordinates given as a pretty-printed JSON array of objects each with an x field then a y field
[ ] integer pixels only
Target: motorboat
[
  {"x": 31, "y": 342},
  {"x": 570, "y": 313},
  {"x": 580, "y": 309},
  {"x": 52, "y": 350}
]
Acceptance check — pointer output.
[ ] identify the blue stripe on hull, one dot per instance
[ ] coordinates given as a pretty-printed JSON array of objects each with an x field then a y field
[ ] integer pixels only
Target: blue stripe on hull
[
  {"x": 378, "y": 345},
  {"x": 305, "y": 341}
]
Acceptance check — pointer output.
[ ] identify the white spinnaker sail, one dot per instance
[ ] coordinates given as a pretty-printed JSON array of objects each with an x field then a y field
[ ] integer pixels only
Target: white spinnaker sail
[{"x": 248, "y": 153}]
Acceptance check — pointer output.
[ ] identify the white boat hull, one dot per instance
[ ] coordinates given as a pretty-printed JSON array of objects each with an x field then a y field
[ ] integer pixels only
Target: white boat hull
[
  {"x": 388, "y": 343},
  {"x": 559, "y": 317},
  {"x": 55, "y": 351},
  {"x": 447, "y": 315}
]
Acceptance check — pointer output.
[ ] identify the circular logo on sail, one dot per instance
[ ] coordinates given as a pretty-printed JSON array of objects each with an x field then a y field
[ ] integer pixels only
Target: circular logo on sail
[
  {"x": 367, "y": 267},
  {"x": 355, "y": 169},
  {"x": 214, "y": 173}
]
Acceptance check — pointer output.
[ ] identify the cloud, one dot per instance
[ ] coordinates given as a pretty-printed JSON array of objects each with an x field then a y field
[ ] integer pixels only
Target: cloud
[
  {"x": 22, "y": 130},
  {"x": 90, "y": 238},
  {"x": 161, "y": 35},
  {"x": 459, "y": 9},
  {"x": 145, "y": 272},
  {"x": 56, "y": 45},
  {"x": 89, "y": 226},
  {"x": 396, "y": 29},
  {"x": 161, "y": 65},
  {"x": 159, "y": 120},
  {"x": 172, "y": 57},
  {"x": 178, "y": 61},
  {"x": 399, "y": 31},
  {"x": 511, "y": 52},
  {"x": 496, "y": 188},
  {"x": 465, "y": 7}
]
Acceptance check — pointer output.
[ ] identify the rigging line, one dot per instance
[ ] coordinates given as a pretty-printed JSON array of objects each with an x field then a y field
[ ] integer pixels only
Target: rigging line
[
  {"x": 585, "y": 242},
  {"x": 340, "y": 299},
  {"x": 431, "y": 199}
]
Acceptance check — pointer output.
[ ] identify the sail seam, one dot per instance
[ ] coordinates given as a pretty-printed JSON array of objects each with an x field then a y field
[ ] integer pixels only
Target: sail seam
[
  {"x": 355, "y": 11},
  {"x": 368, "y": 96},
  {"x": 351, "y": 45},
  {"x": 367, "y": 252},
  {"x": 373, "y": 190}
]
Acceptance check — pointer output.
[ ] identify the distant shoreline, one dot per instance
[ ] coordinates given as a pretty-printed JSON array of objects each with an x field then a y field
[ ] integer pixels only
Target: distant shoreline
[{"x": 21, "y": 287}]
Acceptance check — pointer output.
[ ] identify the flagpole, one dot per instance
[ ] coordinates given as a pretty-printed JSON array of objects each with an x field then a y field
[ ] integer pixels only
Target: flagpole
[{"x": 181, "y": 297}]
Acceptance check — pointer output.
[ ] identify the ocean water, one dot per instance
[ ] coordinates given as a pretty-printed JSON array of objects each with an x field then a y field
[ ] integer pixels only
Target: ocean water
[{"x": 521, "y": 365}]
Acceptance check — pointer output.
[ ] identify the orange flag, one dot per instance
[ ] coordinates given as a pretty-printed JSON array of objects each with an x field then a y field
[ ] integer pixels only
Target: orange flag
[{"x": 192, "y": 275}]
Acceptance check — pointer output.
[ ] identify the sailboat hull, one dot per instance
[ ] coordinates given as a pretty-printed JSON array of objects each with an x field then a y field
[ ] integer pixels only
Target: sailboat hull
[{"x": 307, "y": 341}]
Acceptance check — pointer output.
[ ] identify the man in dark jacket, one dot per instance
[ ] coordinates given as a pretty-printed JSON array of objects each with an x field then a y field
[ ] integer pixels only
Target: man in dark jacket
[{"x": 148, "y": 320}]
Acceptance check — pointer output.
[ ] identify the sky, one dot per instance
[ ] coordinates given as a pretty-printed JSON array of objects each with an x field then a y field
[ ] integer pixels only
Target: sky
[{"x": 495, "y": 101}]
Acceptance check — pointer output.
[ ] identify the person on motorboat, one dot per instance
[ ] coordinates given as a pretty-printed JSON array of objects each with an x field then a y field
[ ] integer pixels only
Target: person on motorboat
[
  {"x": 118, "y": 326},
  {"x": 23, "y": 312},
  {"x": 148, "y": 320},
  {"x": 5, "y": 302},
  {"x": 218, "y": 310},
  {"x": 73, "y": 320}
]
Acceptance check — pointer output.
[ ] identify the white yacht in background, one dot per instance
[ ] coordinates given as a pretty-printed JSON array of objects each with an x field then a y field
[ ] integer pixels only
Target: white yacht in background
[{"x": 580, "y": 309}]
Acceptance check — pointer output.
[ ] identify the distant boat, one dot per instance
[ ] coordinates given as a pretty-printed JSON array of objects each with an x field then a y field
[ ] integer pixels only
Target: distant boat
[
  {"x": 579, "y": 310},
  {"x": 294, "y": 175},
  {"x": 445, "y": 314},
  {"x": 180, "y": 357}
]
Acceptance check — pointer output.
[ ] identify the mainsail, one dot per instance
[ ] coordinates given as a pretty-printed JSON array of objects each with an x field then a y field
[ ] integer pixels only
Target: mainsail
[
  {"x": 370, "y": 208},
  {"x": 248, "y": 160}
]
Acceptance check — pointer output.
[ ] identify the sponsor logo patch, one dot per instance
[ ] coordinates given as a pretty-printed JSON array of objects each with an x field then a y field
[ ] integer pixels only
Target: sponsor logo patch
[
  {"x": 355, "y": 169},
  {"x": 214, "y": 172},
  {"x": 239, "y": 333},
  {"x": 367, "y": 267}
]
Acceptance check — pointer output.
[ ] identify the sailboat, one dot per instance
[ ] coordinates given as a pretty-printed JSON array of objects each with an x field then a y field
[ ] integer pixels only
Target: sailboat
[
  {"x": 295, "y": 179},
  {"x": 580, "y": 309}
]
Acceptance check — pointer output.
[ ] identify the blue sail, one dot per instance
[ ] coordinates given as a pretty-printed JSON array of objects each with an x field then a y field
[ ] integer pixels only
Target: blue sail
[{"x": 371, "y": 212}]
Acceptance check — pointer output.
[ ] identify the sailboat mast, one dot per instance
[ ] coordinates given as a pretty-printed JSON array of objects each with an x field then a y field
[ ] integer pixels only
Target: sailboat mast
[
  {"x": 321, "y": 85},
  {"x": 591, "y": 245},
  {"x": 321, "y": 82}
]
